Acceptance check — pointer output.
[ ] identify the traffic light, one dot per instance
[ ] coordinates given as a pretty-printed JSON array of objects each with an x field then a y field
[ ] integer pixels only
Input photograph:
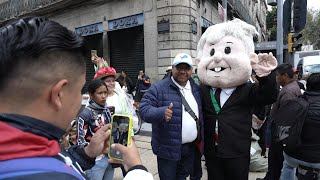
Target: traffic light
[
  {"x": 300, "y": 14},
  {"x": 292, "y": 42},
  {"x": 299, "y": 9}
]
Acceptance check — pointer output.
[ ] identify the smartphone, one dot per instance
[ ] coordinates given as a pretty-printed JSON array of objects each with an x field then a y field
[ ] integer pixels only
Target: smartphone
[
  {"x": 121, "y": 126},
  {"x": 93, "y": 53}
]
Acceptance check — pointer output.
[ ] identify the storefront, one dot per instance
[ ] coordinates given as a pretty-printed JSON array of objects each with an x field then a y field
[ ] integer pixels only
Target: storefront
[{"x": 126, "y": 44}]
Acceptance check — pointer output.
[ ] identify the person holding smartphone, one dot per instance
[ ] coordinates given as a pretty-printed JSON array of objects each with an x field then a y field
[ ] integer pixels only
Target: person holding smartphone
[
  {"x": 142, "y": 85},
  {"x": 36, "y": 112},
  {"x": 116, "y": 97},
  {"x": 90, "y": 120}
]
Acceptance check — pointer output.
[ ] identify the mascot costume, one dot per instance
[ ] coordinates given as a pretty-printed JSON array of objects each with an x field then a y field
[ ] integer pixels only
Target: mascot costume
[{"x": 225, "y": 59}]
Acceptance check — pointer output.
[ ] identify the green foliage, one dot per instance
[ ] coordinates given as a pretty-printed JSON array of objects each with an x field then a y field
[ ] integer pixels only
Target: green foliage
[
  {"x": 311, "y": 32},
  {"x": 271, "y": 21}
]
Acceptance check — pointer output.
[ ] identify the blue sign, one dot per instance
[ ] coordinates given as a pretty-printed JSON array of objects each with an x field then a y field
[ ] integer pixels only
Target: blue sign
[
  {"x": 90, "y": 29},
  {"x": 205, "y": 22},
  {"x": 126, "y": 22}
]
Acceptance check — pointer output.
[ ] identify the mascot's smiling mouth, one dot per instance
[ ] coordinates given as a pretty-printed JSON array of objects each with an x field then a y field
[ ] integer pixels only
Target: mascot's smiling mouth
[{"x": 218, "y": 69}]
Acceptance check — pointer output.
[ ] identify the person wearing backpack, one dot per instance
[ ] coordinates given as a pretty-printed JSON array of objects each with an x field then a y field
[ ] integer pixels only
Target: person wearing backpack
[
  {"x": 302, "y": 144},
  {"x": 290, "y": 90}
]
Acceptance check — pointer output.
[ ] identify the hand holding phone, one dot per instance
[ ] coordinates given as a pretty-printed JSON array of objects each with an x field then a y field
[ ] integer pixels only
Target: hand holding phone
[
  {"x": 99, "y": 142},
  {"x": 130, "y": 154},
  {"x": 121, "y": 126},
  {"x": 93, "y": 55}
]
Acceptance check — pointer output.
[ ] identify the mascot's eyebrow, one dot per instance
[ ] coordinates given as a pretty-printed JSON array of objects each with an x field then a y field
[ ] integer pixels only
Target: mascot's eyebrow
[{"x": 230, "y": 42}]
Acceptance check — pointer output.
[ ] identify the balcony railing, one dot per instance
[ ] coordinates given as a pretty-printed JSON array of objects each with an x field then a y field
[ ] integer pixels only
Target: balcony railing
[
  {"x": 244, "y": 12},
  {"x": 15, "y": 8},
  {"x": 241, "y": 10}
]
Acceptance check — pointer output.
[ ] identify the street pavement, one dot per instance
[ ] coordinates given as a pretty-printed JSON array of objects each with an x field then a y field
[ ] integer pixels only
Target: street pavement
[{"x": 143, "y": 142}]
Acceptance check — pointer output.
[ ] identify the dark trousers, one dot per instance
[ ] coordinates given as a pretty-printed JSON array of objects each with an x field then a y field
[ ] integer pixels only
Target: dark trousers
[
  {"x": 228, "y": 168},
  {"x": 196, "y": 173},
  {"x": 262, "y": 141},
  {"x": 275, "y": 161},
  {"x": 138, "y": 96},
  {"x": 177, "y": 170}
]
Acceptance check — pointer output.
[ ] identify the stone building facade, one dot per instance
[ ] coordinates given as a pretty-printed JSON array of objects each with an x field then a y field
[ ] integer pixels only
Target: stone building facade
[{"x": 139, "y": 34}]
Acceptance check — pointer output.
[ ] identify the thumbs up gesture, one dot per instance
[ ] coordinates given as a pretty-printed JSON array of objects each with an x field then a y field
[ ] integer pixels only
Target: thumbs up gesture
[{"x": 168, "y": 113}]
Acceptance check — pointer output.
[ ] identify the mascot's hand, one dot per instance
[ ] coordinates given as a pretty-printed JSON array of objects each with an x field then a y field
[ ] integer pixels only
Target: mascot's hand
[{"x": 263, "y": 63}]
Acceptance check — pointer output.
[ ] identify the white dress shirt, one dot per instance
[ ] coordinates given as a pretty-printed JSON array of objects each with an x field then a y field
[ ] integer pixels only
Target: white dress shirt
[
  {"x": 225, "y": 94},
  {"x": 189, "y": 126}
]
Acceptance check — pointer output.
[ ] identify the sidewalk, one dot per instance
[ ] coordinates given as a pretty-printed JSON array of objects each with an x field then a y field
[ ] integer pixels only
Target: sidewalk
[{"x": 149, "y": 160}]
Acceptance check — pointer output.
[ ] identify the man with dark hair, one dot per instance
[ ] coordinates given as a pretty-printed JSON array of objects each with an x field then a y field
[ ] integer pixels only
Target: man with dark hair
[
  {"x": 313, "y": 82},
  {"x": 125, "y": 82},
  {"x": 296, "y": 77},
  {"x": 42, "y": 72},
  {"x": 290, "y": 89},
  {"x": 306, "y": 157},
  {"x": 142, "y": 86}
]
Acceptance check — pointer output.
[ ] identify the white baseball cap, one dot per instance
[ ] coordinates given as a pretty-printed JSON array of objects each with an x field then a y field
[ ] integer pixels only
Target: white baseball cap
[{"x": 182, "y": 58}]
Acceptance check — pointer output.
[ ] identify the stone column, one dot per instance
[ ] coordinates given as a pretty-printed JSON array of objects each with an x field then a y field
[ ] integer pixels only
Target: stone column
[{"x": 179, "y": 37}]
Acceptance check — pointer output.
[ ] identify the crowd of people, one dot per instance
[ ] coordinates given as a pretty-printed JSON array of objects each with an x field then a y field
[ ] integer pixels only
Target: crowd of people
[{"x": 222, "y": 114}]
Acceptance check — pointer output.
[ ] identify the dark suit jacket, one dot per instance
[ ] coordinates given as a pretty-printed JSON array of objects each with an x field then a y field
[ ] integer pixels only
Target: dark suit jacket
[{"x": 235, "y": 117}]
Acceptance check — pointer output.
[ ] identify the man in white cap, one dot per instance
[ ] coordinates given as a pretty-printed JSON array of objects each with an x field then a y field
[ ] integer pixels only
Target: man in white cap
[{"x": 173, "y": 106}]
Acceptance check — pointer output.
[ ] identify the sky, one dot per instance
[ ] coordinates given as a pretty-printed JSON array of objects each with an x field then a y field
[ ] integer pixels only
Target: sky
[{"x": 315, "y": 4}]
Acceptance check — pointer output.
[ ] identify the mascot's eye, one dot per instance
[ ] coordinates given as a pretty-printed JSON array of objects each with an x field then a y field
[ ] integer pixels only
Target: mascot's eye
[
  {"x": 212, "y": 52},
  {"x": 227, "y": 50}
]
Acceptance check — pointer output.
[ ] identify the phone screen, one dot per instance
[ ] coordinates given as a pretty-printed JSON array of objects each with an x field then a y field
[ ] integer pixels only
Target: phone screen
[{"x": 120, "y": 134}]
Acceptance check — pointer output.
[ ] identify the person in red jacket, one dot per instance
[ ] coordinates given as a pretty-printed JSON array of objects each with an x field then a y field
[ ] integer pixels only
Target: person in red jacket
[{"x": 42, "y": 72}]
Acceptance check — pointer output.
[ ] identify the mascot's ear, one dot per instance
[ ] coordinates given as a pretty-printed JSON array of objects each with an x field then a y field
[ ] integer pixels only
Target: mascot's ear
[{"x": 197, "y": 60}]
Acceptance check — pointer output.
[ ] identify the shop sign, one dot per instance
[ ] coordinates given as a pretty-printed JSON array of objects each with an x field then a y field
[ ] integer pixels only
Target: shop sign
[
  {"x": 90, "y": 29},
  {"x": 163, "y": 26},
  {"x": 194, "y": 27},
  {"x": 126, "y": 22},
  {"x": 205, "y": 23}
]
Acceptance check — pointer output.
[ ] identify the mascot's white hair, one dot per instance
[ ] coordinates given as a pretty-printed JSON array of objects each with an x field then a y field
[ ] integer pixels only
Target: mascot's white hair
[{"x": 236, "y": 28}]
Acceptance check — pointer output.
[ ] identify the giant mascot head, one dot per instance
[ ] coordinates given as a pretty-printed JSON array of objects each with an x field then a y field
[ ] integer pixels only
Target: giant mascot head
[{"x": 224, "y": 54}]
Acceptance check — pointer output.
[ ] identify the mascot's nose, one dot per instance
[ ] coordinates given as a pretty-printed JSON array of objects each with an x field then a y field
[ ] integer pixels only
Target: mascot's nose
[{"x": 217, "y": 57}]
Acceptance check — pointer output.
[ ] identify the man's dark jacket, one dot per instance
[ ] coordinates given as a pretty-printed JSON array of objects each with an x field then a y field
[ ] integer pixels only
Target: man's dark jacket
[
  {"x": 309, "y": 149},
  {"x": 166, "y": 137},
  {"x": 235, "y": 117}
]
